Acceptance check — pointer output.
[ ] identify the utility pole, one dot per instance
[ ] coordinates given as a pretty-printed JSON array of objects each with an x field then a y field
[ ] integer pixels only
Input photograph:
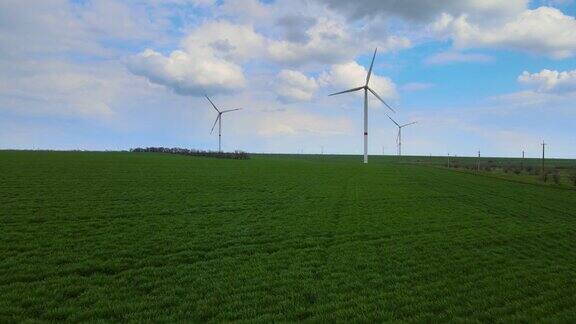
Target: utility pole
[
  {"x": 478, "y": 162},
  {"x": 543, "y": 154}
]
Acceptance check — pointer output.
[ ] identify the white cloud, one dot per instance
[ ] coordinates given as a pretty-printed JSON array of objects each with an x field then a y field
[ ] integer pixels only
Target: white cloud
[
  {"x": 526, "y": 98},
  {"x": 225, "y": 40},
  {"x": 185, "y": 73},
  {"x": 294, "y": 122},
  {"x": 330, "y": 41},
  {"x": 209, "y": 61},
  {"x": 122, "y": 21},
  {"x": 350, "y": 75},
  {"x": 327, "y": 41},
  {"x": 56, "y": 60},
  {"x": 245, "y": 10},
  {"x": 46, "y": 27},
  {"x": 294, "y": 86},
  {"x": 457, "y": 57},
  {"x": 547, "y": 89},
  {"x": 428, "y": 9},
  {"x": 550, "y": 81},
  {"x": 58, "y": 89},
  {"x": 546, "y": 31},
  {"x": 211, "y": 54}
]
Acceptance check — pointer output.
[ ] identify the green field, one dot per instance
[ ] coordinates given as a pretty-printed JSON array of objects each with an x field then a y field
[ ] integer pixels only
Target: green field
[{"x": 153, "y": 237}]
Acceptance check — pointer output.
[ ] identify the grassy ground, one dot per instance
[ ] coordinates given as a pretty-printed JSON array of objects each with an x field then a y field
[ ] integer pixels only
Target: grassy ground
[
  {"x": 560, "y": 172},
  {"x": 128, "y": 236}
]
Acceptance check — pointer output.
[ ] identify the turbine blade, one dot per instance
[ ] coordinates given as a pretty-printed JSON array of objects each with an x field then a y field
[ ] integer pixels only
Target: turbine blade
[
  {"x": 229, "y": 110},
  {"x": 213, "y": 105},
  {"x": 409, "y": 124},
  {"x": 215, "y": 123},
  {"x": 351, "y": 90},
  {"x": 392, "y": 120},
  {"x": 377, "y": 96},
  {"x": 371, "y": 65}
]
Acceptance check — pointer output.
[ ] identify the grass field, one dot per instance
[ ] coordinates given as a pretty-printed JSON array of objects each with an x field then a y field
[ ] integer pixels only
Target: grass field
[{"x": 143, "y": 236}]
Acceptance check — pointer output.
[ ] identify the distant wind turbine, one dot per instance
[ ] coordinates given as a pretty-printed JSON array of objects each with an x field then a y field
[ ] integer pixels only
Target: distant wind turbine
[
  {"x": 399, "y": 137},
  {"x": 219, "y": 121},
  {"x": 366, "y": 88}
]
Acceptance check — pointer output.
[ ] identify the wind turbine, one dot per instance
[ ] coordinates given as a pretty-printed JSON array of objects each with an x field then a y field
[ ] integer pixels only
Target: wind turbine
[
  {"x": 366, "y": 88},
  {"x": 219, "y": 121},
  {"x": 399, "y": 137}
]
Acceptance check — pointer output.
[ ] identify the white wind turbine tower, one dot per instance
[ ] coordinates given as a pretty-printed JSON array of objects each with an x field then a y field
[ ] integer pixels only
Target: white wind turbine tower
[
  {"x": 366, "y": 88},
  {"x": 399, "y": 137},
  {"x": 219, "y": 121}
]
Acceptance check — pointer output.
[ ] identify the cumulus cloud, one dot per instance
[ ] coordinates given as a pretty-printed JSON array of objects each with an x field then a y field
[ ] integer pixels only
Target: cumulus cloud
[
  {"x": 294, "y": 86},
  {"x": 295, "y": 27},
  {"x": 544, "y": 30},
  {"x": 547, "y": 89},
  {"x": 425, "y": 10},
  {"x": 245, "y": 10},
  {"x": 350, "y": 75},
  {"x": 328, "y": 41},
  {"x": 187, "y": 74},
  {"x": 550, "y": 81},
  {"x": 225, "y": 40},
  {"x": 457, "y": 57},
  {"x": 211, "y": 56},
  {"x": 209, "y": 61}
]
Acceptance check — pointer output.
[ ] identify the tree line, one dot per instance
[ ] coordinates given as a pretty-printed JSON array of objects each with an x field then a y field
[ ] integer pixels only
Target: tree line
[{"x": 236, "y": 155}]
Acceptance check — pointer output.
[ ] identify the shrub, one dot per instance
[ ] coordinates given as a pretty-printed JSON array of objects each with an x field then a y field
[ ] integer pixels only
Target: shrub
[{"x": 573, "y": 179}]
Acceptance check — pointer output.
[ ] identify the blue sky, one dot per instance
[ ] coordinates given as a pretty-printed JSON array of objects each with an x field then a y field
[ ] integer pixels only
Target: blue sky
[{"x": 495, "y": 76}]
